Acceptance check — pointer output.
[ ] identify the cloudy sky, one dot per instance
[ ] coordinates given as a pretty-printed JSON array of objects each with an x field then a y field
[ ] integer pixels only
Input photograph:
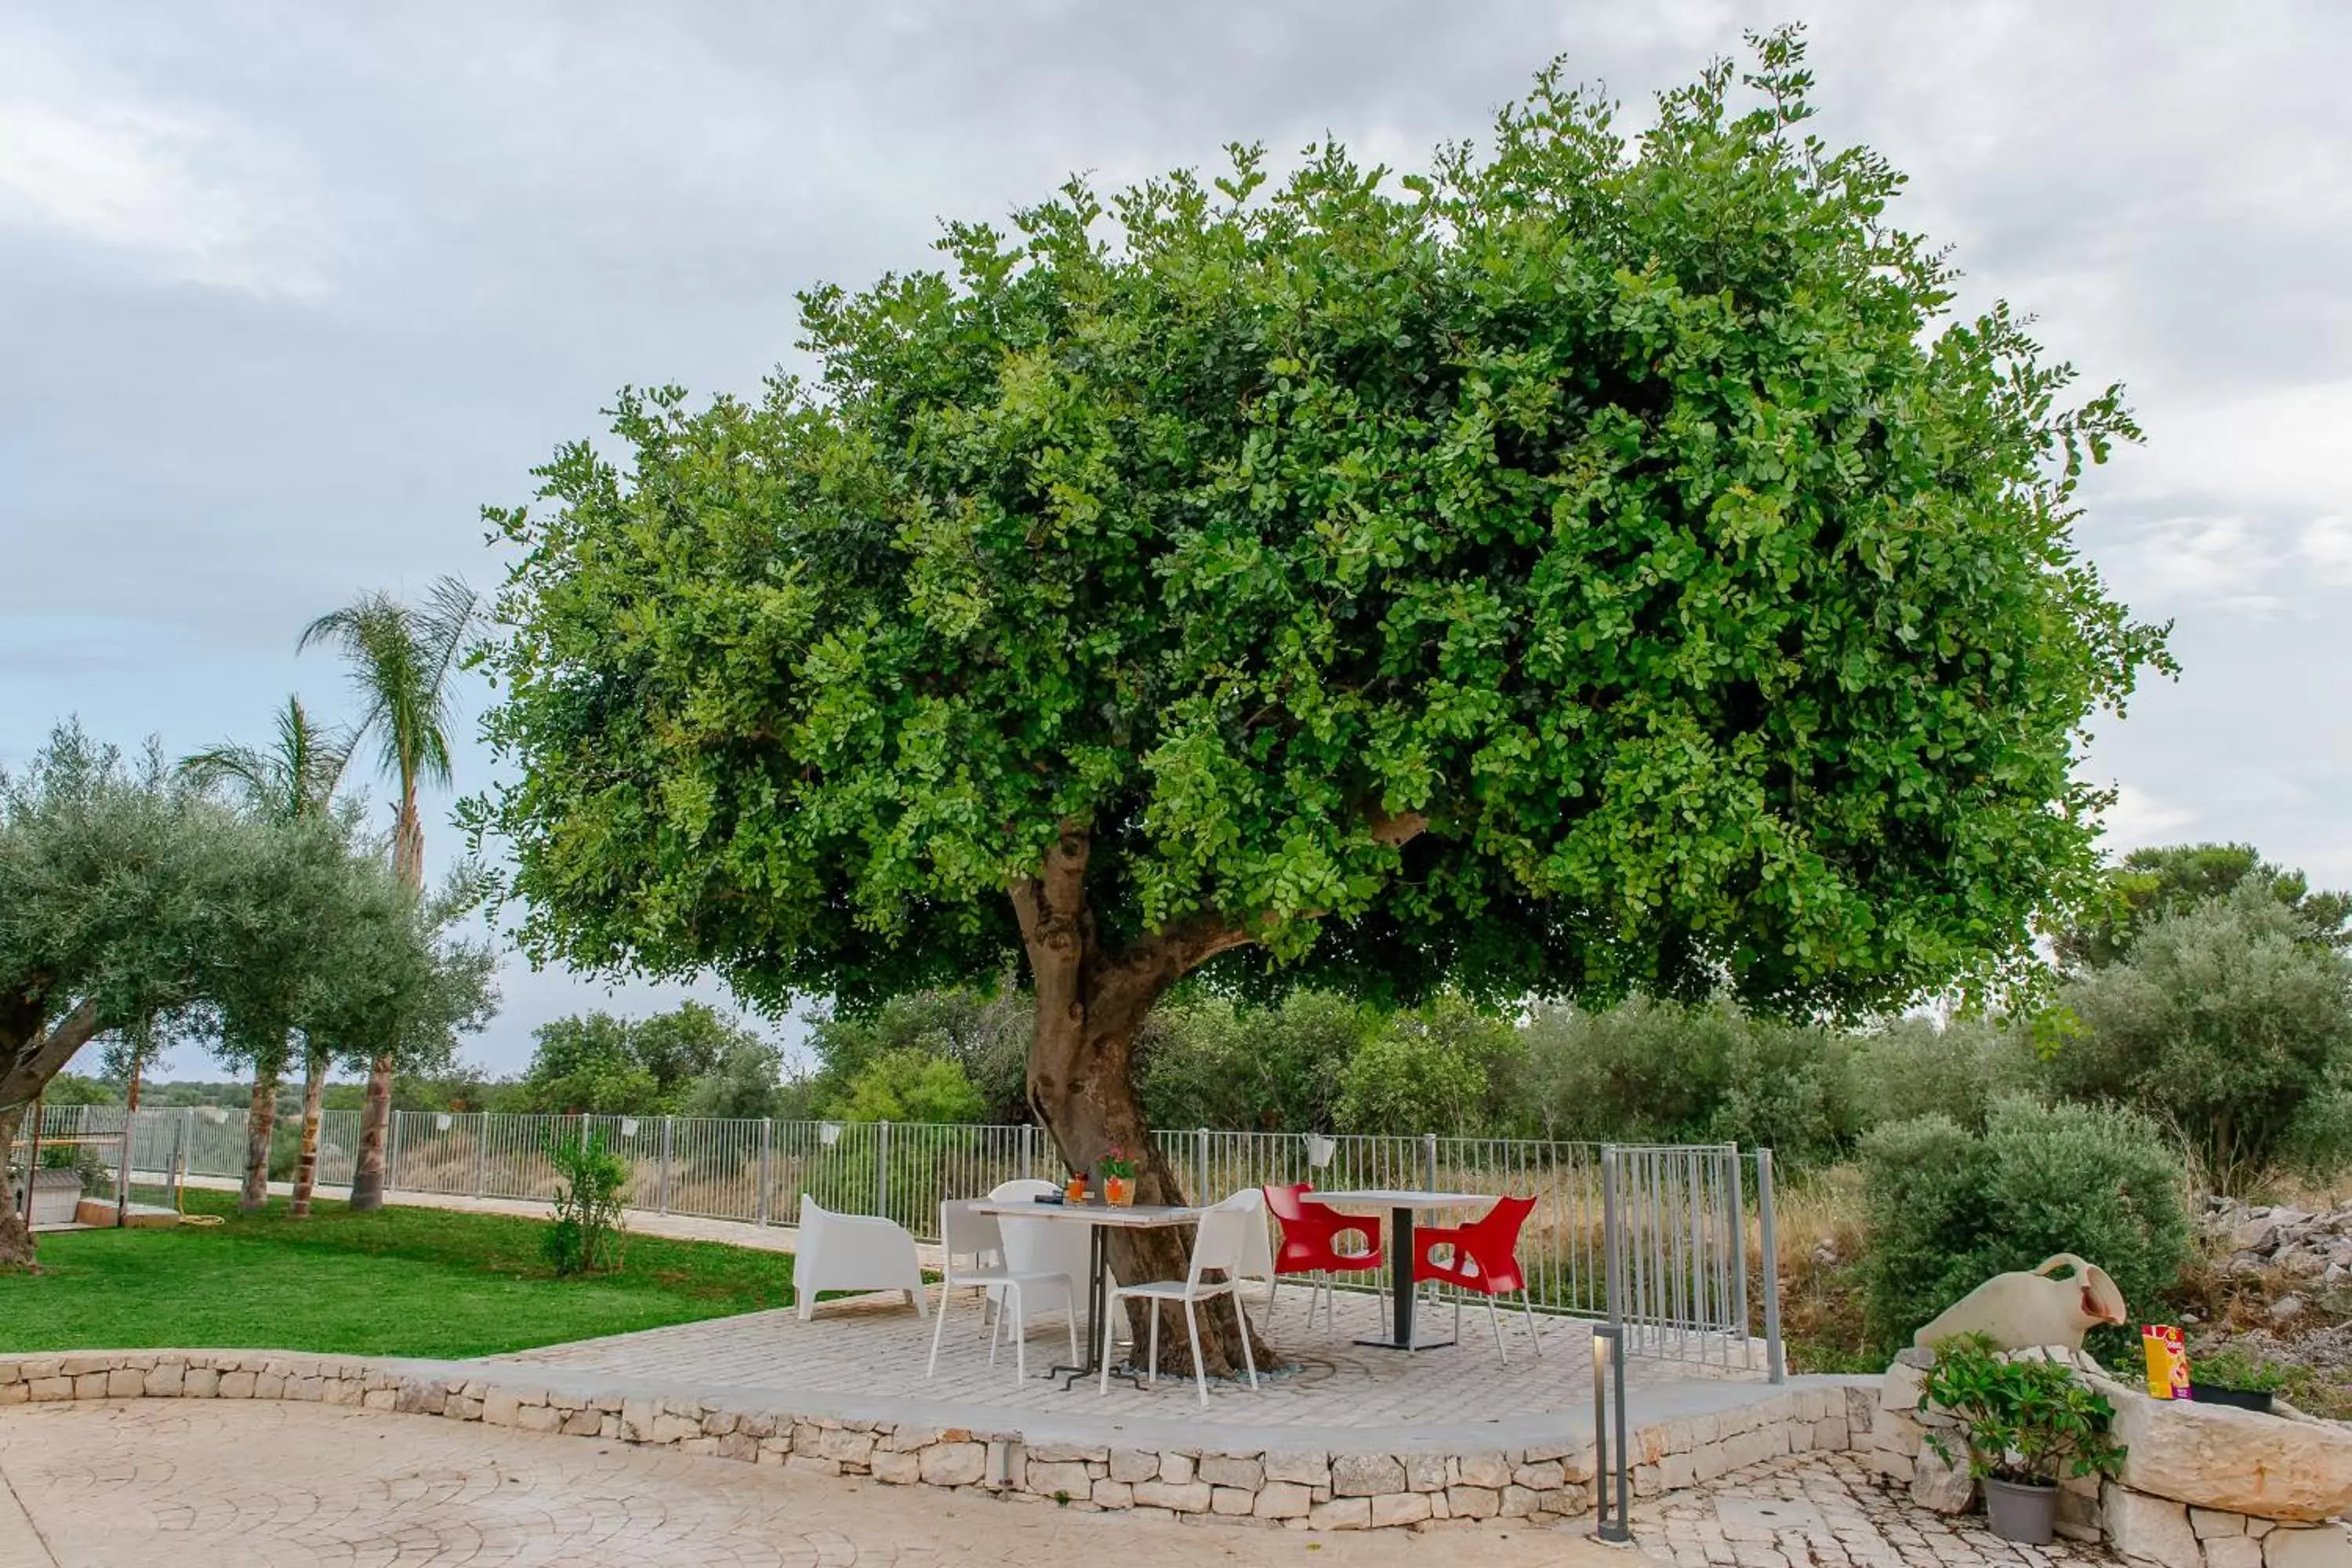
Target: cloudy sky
[{"x": 289, "y": 291}]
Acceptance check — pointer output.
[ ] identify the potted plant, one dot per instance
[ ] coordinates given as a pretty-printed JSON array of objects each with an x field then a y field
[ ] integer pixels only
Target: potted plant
[
  {"x": 2235, "y": 1375},
  {"x": 1118, "y": 1177},
  {"x": 2027, "y": 1424}
]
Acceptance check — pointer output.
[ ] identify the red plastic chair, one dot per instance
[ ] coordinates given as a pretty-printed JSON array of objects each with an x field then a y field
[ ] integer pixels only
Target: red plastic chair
[
  {"x": 1482, "y": 1258},
  {"x": 1310, "y": 1237}
]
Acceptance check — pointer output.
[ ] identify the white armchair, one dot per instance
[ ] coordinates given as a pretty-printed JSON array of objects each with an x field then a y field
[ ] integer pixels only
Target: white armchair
[{"x": 853, "y": 1252}]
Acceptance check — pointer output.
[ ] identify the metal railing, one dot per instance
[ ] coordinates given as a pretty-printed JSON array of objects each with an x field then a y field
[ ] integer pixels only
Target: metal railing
[{"x": 1653, "y": 1239}]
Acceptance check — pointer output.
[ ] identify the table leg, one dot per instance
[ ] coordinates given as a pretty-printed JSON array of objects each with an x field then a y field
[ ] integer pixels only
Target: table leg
[
  {"x": 1097, "y": 1276},
  {"x": 1400, "y": 1238}
]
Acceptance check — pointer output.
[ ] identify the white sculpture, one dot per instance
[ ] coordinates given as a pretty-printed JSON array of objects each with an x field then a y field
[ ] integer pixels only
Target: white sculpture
[{"x": 2022, "y": 1310}]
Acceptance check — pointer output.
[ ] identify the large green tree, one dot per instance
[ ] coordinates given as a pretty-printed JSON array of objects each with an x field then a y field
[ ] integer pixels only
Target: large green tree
[
  {"x": 1590, "y": 563},
  {"x": 2148, "y": 884},
  {"x": 403, "y": 661}
]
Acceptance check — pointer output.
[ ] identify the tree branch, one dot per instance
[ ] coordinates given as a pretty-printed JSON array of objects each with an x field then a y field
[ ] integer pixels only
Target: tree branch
[
  {"x": 33, "y": 1068},
  {"x": 1395, "y": 828}
]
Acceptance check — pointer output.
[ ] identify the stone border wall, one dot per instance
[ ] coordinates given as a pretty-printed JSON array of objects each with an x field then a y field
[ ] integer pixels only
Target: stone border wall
[{"x": 1299, "y": 1490}]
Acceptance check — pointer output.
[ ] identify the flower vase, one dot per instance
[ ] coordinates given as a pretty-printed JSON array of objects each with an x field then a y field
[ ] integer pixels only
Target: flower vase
[{"x": 1119, "y": 1191}]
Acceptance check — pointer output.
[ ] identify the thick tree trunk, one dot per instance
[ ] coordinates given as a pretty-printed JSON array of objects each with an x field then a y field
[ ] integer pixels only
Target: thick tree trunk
[
  {"x": 306, "y": 1167},
  {"x": 376, "y": 1123},
  {"x": 1081, "y": 1084},
  {"x": 260, "y": 1121},
  {"x": 16, "y": 1236}
]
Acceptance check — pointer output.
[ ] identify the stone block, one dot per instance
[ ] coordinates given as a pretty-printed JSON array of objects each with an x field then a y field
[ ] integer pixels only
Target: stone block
[
  {"x": 1424, "y": 1472},
  {"x": 2231, "y": 1460},
  {"x": 2325, "y": 1547},
  {"x": 1132, "y": 1465},
  {"x": 1306, "y": 1470},
  {"x": 846, "y": 1446},
  {"x": 1397, "y": 1509},
  {"x": 1176, "y": 1468},
  {"x": 2208, "y": 1522},
  {"x": 90, "y": 1385},
  {"x": 2233, "y": 1551},
  {"x": 1176, "y": 1496},
  {"x": 893, "y": 1468},
  {"x": 1230, "y": 1500},
  {"x": 202, "y": 1382},
  {"x": 667, "y": 1427},
  {"x": 1283, "y": 1499},
  {"x": 126, "y": 1382},
  {"x": 1341, "y": 1513},
  {"x": 1068, "y": 1477},
  {"x": 500, "y": 1408},
  {"x": 539, "y": 1419},
  {"x": 1939, "y": 1483},
  {"x": 1467, "y": 1501},
  {"x": 2151, "y": 1529},
  {"x": 83, "y": 1365},
  {"x": 47, "y": 1389},
  {"x": 954, "y": 1464},
  {"x": 1543, "y": 1477},
  {"x": 238, "y": 1384},
  {"x": 1491, "y": 1472},
  {"x": 1366, "y": 1475},
  {"x": 1113, "y": 1494}
]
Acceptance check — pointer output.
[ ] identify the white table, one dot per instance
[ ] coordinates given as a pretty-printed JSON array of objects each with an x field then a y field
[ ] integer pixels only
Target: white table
[
  {"x": 1402, "y": 1204},
  {"x": 1100, "y": 1219}
]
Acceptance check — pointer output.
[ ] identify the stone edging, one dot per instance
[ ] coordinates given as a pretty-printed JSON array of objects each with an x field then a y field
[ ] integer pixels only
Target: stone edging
[{"x": 1300, "y": 1491}]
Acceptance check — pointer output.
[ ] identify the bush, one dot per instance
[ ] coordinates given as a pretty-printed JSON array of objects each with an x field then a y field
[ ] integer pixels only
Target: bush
[
  {"x": 591, "y": 1184},
  {"x": 1434, "y": 1070},
  {"x": 1658, "y": 1072},
  {"x": 2030, "y": 1422},
  {"x": 1207, "y": 1061},
  {"x": 1950, "y": 1208},
  {"x": 2227, "y": 1022},
  {"x": 1911, "y": 1068}
]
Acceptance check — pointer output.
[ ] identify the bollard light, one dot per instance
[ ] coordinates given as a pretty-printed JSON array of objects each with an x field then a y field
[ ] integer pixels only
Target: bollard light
[{"x": 1609, "y": 1458}]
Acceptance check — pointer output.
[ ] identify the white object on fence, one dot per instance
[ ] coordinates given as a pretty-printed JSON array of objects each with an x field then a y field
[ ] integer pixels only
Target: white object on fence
[
  {"x": 1221, "y": 1242},
  {"x": 968, "y": 1234},
  {"x": 853, "y": 1252}
]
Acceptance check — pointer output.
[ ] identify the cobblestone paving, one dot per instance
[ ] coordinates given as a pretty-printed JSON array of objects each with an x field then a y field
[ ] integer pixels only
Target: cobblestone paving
[
  {"x": 876, "y": 1345},
  {"x": 151, "y": 1484},
  {"x": 1825, "y": 1511}
]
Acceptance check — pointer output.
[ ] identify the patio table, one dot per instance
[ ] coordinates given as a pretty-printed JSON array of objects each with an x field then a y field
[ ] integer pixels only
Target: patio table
[
  {"x": 1100, "y": 1219},
  {"x": 1402, "y": 1204}
]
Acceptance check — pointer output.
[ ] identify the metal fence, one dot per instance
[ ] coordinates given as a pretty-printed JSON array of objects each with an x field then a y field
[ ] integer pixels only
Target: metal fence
[
  {"x": 74, "y": 1153},
  {"x": 1656, "y": 1239}
]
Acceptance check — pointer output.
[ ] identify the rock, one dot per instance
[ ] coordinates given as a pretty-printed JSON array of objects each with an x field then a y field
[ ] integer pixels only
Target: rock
[
  {"x": 960, "y": 1465},
  {"x": 2255, "y": 1235},
  {"x": 1366, "y": 1475},
  {"x": 1283, "y": 1499},
  {"x": 2214, "y": 1456},
  {"x": 2326, "y": 1547},
  {"x": 2143, "y": 1528},
  {"x": 2286, "y": 1309},
  {"x": 1942, "y": 1484}
]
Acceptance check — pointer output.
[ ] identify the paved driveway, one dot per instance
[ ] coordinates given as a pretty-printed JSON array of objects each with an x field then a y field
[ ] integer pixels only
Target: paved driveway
[{"x": 189, "y": 1485}]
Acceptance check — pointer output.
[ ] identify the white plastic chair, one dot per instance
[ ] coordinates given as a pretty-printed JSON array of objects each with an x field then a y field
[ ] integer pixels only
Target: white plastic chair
[
  {"x": 1221, "y": 1242},
  {"x": 975, "y": 1247},
  {"x": 853, "y": 1252}
]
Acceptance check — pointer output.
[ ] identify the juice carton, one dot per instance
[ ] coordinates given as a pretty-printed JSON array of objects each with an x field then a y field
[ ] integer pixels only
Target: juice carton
[{"x": 2167, "y": 1361}]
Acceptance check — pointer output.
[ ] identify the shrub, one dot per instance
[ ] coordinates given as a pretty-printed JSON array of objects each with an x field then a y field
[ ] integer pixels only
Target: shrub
[
  {"x": 2227, "y": 1022},
  {"x": 1950, "y": 1208},
  {"x": 2031, "y": 1422},
  {"x": 1653, "y": 1071},
  {"x": 591, "y": 1184},
  {"x": 1910, "y": 1067}
]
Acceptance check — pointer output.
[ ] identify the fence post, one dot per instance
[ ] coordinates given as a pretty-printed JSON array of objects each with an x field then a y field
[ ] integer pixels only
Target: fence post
[
  {"x": 1739, "y": 1251},
  {"x": 1028, "y": 1151},
  {"x": 1429, "y": 1158},
  {"x": 1201, "y": 1167},
  {"x": 665, "y": 1163},
  {"x": 481, "y": 1148},
  {"x": 767, "y": 1136},
  {"x": 882, "y": 1168},
  {"x": 1612, "y": 1243},
  {"x": 390, "y": 1147},
  {"x": 1773, "y": 1367}
]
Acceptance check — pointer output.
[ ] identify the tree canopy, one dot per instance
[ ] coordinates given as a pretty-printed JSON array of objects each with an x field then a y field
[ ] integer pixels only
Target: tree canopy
[
  {"x": 2154, "y": 881},
  {"x": 1586, "y": 565}
]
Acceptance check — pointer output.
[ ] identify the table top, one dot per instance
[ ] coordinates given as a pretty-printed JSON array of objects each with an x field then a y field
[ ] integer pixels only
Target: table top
[
  {"x": 1396, "y": 1198},
  {"x": 1131, "y": 1217}
]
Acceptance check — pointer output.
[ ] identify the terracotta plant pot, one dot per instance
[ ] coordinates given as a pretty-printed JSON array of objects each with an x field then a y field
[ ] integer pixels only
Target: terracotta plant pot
[
  {"x": 1119, "y": 1191},
  {"x": 2027, "y": 1514}
]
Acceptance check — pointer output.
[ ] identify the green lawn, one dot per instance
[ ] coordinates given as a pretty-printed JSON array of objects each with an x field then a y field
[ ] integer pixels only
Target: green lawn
[{"x": 401, "y": 1281}]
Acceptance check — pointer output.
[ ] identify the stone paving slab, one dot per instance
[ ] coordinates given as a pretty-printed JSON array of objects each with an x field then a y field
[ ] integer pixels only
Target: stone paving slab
[
  {"x": 1827, "y": 1510},
  {"x": 209, "y": 1485},
  {"x": 874, "y": 1348}
]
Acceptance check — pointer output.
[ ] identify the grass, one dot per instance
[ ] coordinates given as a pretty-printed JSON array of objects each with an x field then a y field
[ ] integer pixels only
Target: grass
[{"x": 403, "y": 1281}]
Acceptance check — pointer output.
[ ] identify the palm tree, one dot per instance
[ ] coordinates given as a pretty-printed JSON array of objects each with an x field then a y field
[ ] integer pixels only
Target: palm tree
[
  {"x": 293, "y": 781},
  {"x": 402, "y": 657}
]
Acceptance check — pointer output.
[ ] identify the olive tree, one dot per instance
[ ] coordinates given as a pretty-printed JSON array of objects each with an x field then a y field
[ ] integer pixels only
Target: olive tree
[{"x": 1589, "y": 563}]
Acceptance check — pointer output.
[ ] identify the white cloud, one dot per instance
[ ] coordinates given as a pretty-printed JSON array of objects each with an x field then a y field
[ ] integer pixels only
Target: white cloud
[
  {"x": 185, "y": 192},
  {"x": 2222, "y": 563},
  {"x": 2326, "y": 548},
  {"x": 2139, "y": 818}
]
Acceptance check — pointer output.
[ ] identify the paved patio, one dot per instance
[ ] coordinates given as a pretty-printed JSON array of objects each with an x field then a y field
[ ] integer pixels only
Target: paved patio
[
  {"x": 874, "y": 1347},
  {"x": 212, "y": 1485}
]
